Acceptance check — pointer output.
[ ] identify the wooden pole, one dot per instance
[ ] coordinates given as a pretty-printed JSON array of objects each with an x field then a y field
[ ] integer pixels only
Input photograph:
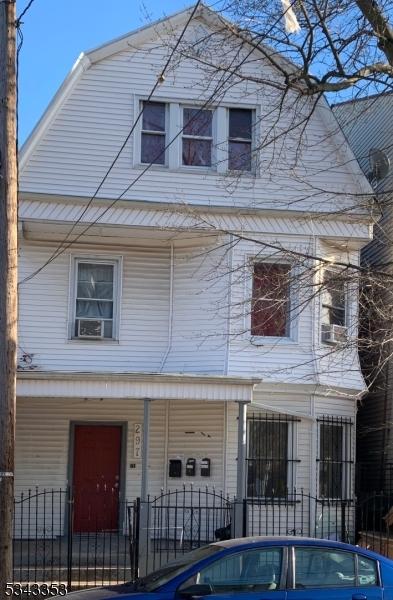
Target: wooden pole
[{"x": 8, "y": 281}]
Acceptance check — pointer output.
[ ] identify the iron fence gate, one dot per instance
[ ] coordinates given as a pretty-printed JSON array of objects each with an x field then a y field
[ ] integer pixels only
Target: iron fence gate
[{"x": 48, "y": 549}]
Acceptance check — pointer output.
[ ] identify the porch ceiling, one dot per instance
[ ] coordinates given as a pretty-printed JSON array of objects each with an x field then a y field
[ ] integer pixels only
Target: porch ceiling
[
  {"x": 156, "y": 386},
  {"x": 115, "y": 235}
]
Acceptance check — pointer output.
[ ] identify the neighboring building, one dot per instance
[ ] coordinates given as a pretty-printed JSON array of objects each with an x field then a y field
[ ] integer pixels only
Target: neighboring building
[
  {"x": 367, "y": 126},
  {"x": 145, "y": 319}
]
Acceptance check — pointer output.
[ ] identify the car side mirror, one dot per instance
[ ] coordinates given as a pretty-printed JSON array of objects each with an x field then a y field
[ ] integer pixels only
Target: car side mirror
[{"x": 196, "y": 591}]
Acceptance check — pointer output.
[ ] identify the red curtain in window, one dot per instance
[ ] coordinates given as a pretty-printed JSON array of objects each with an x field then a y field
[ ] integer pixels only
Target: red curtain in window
[{"x": 270, "y": 300}]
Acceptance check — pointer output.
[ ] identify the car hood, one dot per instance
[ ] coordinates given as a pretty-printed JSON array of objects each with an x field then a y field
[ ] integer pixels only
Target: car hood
[{"x": 110, "y": 591}]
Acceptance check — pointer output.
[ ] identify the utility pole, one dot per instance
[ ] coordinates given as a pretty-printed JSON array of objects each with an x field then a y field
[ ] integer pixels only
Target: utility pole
[{"x": 8, "y": 281}]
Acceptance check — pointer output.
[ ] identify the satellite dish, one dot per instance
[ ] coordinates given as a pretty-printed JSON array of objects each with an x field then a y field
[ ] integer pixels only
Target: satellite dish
[{"x": 379, "y": 164}]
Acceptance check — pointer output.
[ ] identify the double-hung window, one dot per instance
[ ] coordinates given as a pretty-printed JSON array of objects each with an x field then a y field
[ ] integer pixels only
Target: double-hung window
[
  {"x": 271, "y": 456},
  {"x": 153, "y": 140},
  {"x": 95, "y": 301},
  {"x": 197, "y": 137},
  {"x": 334, "y": 308},
  {"x": 333, "y": 299},
  {"x": 270, "y": 301},
  {"x": 240, "y": 139},
  {"x": 335, "y": 457},
  {"x": 178, "y": 135}
]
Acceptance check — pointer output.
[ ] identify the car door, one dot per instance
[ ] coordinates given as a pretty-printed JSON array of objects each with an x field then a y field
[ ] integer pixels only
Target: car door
[
  {"x": 256, "y": 574},
  {"x": 325, "y": 573},
  {"x": 368, "y": 580}
]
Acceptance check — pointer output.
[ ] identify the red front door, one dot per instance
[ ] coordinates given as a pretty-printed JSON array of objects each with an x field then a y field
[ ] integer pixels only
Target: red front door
[{"x": 96, "y": 477}]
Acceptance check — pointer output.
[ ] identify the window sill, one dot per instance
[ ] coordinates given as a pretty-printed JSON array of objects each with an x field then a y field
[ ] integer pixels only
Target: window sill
[
  {"x": 141, "y": 166},
  {"x": 199, "y": 170},
  {"x": 256, "y": 340},
  {"x": 87, "y": 341}
]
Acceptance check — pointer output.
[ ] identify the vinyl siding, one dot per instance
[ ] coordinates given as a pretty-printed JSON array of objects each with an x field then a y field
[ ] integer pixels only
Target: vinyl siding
[
  {"x": 144, "y": 313},
  {"x": 43, "y": 440},
  {"x": 78, "y": 146}
]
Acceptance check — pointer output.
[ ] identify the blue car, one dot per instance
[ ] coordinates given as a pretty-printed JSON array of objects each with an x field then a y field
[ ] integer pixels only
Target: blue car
[{"x": 261, "y": 568}]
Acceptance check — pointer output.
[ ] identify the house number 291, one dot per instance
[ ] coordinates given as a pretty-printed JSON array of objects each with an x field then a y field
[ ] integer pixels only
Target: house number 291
[{"x": 137, "y": 440}]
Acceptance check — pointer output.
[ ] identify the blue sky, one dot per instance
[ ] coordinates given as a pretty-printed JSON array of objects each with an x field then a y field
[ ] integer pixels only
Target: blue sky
[{"x": 56, "y": 31}]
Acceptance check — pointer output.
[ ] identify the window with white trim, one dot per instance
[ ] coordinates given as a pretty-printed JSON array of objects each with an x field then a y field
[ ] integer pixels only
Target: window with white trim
[
  {"x": 153, "y": 138},
  {"x": 95, "y": 299},
  {"x": 335, "y": 457},
  {"x": 240, "y": 139},
  {"x": 270, "y": 304},
  {"x": 271, "y": 456},
  {"x": 197, "y": 138},
  {"x": 333, "y": 299},
  {"x": 178, "y": 136}
]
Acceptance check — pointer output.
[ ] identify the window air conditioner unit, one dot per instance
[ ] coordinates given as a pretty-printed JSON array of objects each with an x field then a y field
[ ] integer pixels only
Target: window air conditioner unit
[
  {"x": 334, "y": 334},
  {"x": 90, "y": 328}
]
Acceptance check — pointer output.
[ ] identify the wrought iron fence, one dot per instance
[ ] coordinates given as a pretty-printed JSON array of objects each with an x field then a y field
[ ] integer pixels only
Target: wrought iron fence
[
  {"x": 48, "y": 549},
  {"x": 374, "y": 522},
  {"x": 178, "y": 521}
]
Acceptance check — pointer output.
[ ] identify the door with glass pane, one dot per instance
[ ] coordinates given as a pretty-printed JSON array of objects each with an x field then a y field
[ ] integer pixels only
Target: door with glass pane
[{"x": 253, "y": 574}]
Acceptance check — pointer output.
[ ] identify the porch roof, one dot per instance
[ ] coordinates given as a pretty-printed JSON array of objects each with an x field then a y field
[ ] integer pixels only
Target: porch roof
[{"x": 155, "y": 386}]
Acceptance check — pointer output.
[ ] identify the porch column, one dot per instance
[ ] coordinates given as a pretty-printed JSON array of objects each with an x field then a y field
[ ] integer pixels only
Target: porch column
[
  {"x": 241, "y": 451},
  {"x": 145, "y": 449},
  {"x": 239, "y": 524}
]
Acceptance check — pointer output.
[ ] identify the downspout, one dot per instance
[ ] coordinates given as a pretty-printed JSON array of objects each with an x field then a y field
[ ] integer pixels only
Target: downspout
[
  {"x": 229, "y": 307},
  {"x": 170, "y": 316},
  {"x": 385, "y": 431}
]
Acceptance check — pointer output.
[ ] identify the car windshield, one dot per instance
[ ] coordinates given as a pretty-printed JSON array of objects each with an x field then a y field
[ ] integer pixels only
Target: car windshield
[{"x": 175, "y": 567}]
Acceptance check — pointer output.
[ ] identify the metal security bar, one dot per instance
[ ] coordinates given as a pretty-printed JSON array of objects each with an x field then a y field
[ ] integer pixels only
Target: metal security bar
[
  {"x": 335, "y": 457},
  {"x": 271, "y": 455}
]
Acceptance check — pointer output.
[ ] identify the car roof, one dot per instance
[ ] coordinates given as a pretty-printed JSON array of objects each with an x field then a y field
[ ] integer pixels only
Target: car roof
[
  {"x": 287, "y": 539},
  {"x": 306, "y": 541}
]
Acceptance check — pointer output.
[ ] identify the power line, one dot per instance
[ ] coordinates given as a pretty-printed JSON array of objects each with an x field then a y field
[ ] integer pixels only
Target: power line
[{"x": 18, "y": 21}]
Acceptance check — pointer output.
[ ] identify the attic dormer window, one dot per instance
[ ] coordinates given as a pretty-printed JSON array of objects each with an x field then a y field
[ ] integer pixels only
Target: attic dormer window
[
  {"x": 153, "y": 133},
  {"x": 240, "y": 139},
  {"x": 197, "y": 137}
]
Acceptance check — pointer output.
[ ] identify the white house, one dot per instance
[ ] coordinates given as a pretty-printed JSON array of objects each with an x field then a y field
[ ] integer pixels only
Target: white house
[{"x": 143, "y": 362}]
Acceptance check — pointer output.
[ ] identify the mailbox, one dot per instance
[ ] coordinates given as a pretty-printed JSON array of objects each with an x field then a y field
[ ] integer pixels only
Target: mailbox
[
  {"x": 175, "y": 467},
  {"x": 191, "y": 467},
  {"x": 205, "y": 467}
]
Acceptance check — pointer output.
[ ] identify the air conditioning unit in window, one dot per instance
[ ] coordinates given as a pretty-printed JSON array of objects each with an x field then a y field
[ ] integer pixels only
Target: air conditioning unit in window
[
  {"x": 334, "y": 334},
  {"x": 90, "y": 328}
]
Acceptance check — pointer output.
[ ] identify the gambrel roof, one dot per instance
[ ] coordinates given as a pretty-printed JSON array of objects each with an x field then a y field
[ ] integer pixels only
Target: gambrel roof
[{"x": 46, "y": 162}]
